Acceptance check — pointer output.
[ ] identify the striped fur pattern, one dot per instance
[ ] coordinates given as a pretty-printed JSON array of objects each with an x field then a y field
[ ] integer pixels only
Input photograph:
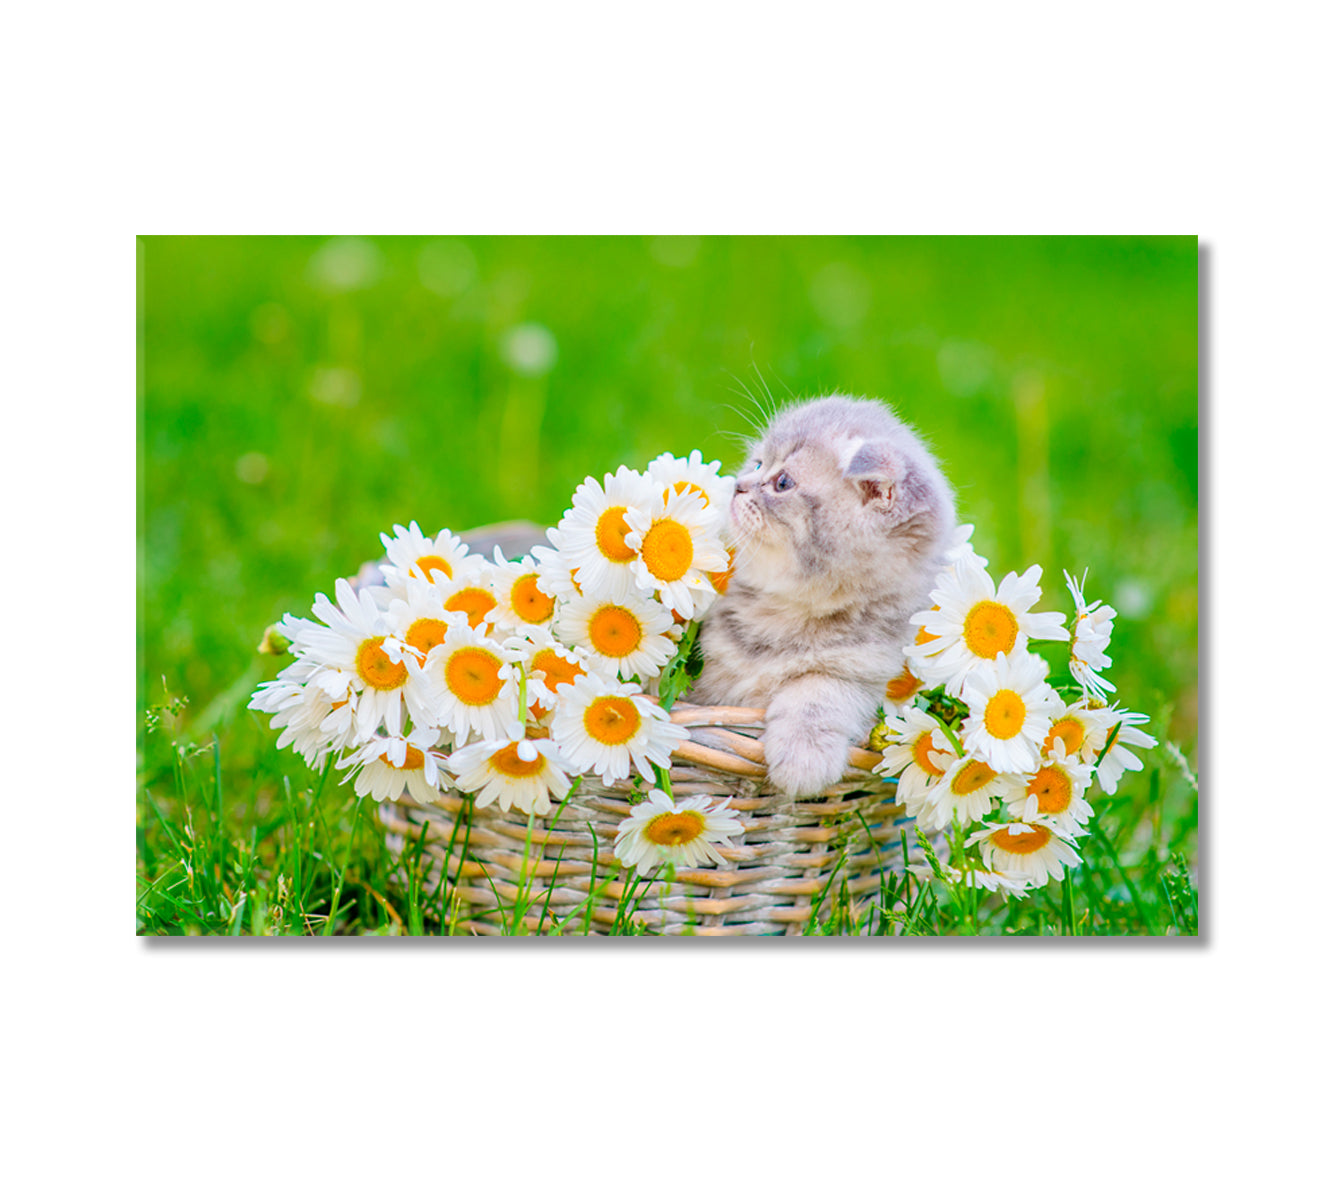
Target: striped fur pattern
[{"x": 841, "y": 516}]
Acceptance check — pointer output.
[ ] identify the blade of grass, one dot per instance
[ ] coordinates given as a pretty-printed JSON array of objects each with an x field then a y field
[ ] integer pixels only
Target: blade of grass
[
  {"x": 1135, "y": 899},
  {"x": 342, "y": 873}
]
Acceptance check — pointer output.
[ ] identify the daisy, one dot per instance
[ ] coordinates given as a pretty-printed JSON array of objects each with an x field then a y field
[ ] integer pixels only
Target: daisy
[
  {"x": 919, "y": 754},
  {"x": 1011, "y": 707},
  {"x": 1027, "y": 850},
  {"x": 967, "y": 792},
  {"x": 722, "y": 579},
  {"x": 675, "y": 547},
  {"x": 1081, "y": 729},
  {"x": 547, "y": 664},
  {"x": 358, "y": 642},
  {"x": 521, "y": 603},
  {"x": 334, "y": 681},
  {"x": 685, "y": 832},
  {"x": 605, "y": 727},
  {"x": 469, "y": 684},
  {"x": 625, "y": 639},
  {"x": 523, "y": 774},
  {"x": 1055, "y": 792},
  {"x": 693, "y": 474},
  {"x": 472, "y": 593},
  {"x": 591, "y": 537},
  {"x": 555, "y": 573},
  {"x": 310, "y": 721},
  {"x": 413, "y": 555},
  {"x": 974, "y": 621},
  {"x": 1093, "y": 634},
  {"x": 1116, "y": 759},
  {"x": 384, "y": 766},
  {"x": 335, "y": 686},
  {"x": 900, "y": 690},
  {"x": 419, "y": 618}
]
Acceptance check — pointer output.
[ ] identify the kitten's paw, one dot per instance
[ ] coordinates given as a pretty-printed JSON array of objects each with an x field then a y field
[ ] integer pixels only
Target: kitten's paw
[{"x": 804, "y": 762}]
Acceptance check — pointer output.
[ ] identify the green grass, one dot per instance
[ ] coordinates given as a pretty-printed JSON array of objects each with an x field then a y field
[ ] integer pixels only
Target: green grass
[
  {"x": 293, "y": 855},
  {"x": 297, "y": 397}
]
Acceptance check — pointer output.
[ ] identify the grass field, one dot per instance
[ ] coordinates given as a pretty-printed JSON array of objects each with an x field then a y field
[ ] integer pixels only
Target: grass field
[{"x": 299, "y": 396}]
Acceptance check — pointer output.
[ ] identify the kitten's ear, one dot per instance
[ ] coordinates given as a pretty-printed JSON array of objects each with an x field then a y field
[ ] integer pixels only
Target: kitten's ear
[{"x": 876, "y": 467}]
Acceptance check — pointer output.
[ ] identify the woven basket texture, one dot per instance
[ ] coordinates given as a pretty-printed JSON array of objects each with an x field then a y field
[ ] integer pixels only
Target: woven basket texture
[{"x": 793, "y": 853}]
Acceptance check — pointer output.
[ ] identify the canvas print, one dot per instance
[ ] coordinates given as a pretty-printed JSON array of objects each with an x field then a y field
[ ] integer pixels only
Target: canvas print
[{"x": 668, "y": 586}]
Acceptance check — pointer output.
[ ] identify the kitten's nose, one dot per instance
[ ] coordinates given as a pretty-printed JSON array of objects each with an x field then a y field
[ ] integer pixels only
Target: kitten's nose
[{"x": 741, "y": 488}]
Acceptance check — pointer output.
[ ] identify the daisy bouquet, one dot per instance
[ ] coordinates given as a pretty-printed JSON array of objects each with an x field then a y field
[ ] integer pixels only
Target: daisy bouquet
[
  {"x": 508, "y": 681},
  {"x": 984, "y": 746}
]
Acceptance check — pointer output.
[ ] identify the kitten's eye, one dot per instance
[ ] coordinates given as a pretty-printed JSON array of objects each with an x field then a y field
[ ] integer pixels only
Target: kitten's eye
[
  {"x": 784, "y": 482},
  {"x": 756, "y": 465}
]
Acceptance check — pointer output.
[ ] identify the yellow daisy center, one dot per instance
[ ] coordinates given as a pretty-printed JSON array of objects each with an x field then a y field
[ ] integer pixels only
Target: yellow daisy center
[
  {"x": 530, "y": 602},
  {"x": 903, "y": 685},
  {"x": 507, "y": 762},
  {"x": 615, "y": 631},
  {"x": 377, "y": 669},
  {"x": 674, "y": 829},
  {"x": 555, "y": 669},
  {"x": 473, "y": 675},
  {"x": 1005, "y": 713},
  {"x": 425, "y": 633},
  {"x": 433, "y": 562},
  {"x": 1070, "y": 731},
  {"x": 1029, "y": 842},
  {"x": 1053, "y": 789},
  {"x": 611, "y": 720},
  {"x": 990, "y": 629},
  {"x": 610, "y": 533},
  {"x": 475, "y": 602},
  {"x": 413, "y": 760},
  {"x": 667, "y": 550},
  {"x": 920, "y": 748},
  {"x": 972, "y": 776}
]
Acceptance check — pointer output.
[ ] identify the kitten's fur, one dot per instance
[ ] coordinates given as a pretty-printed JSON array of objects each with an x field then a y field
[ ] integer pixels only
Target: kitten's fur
[{"x": 840, "y": 516}]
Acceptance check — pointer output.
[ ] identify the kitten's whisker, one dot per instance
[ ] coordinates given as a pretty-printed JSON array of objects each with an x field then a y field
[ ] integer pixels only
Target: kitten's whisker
[
  {"x": 741, "y": 390},
  {"x": 756, "y": 407},
  {"x": 760, "y": 376},
  {"x": 748, "y": 418}
]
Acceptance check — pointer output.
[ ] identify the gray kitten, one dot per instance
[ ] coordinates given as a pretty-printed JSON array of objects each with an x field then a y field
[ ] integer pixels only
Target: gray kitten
[{"x": 841, "y": 517}]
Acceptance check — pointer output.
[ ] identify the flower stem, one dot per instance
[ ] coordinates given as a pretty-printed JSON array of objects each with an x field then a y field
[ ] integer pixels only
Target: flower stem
[{"x": 949, "y": 733}]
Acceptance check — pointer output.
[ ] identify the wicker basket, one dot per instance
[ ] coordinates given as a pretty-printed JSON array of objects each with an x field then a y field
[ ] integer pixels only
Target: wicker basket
[{"x": 792, "y": 855}]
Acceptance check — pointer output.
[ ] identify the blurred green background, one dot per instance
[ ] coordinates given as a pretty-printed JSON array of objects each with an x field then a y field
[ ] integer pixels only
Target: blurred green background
[{"x": 297, "y": 396}]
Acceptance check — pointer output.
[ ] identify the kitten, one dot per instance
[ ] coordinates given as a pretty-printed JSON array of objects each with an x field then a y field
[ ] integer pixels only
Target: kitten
[{"x": 841, "y": 517}]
